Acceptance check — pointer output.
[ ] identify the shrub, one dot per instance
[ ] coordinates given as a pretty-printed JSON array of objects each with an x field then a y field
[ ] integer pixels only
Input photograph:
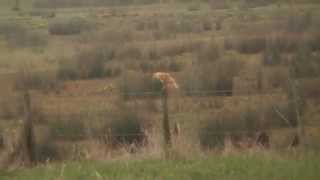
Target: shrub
[
  {"x": 48, "y": 150},
  {"x": 212, "y": 78},
  {"x": 285, "y": 42},
  {"x": 182, "y": 25},
  {"x": 306, "y": 64},
  {"x": 309, "y": 88},
  {"x": 314, "y": 41},
  {"x": 87, "y": 64},
  {"x": 256, "y": 3},
  {"x": 130, "y": 52},
  {"x": 250, "y": 44},
  {"x": 298, "y": 23},
  {"x": 195, "y": 6},
  {"x": 169, "y": 65},
  {"x": 43, "y": 13},
  {"x": 91, "y": 62},
  {"x": 20, "y": 36},
  {"x": 10, "y": 108},
  {"x": 150, "y": 24},
  {"x": 126, "y": 128},
  {"x": 275, "y": 112},
  {"x": 38, "y": 80},
  {"x": 218, "y": 4},
  {"x": 113, "y": 71},
  {"x": 218, "y": 24},
  {"x": 210, "y": 53},
  {"x": 67, "y": 70},
  {"x": 115, "y": 36},
  {"x": 174, "y": 66},
  {"x": 69, "y": 129},
  {"x": 276, "y": 77},
  {"x": 138, "y": 84},
  {"x": 179, "y": 48},
  {"x": 207, "y": 25},
  {"x": 211, "y": 136},
  {"x": 69, "y": 26},
  {"x": 93, "y": 67},
  {"x": 152, "y": 54},
  {"x": 235, "y": 126},
  {"x": 272, "y": 56}
]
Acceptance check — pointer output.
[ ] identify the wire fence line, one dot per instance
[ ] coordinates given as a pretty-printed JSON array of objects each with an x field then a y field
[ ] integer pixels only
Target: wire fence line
[
  {"x": 204, "y": 93},
  {"x": 197, "y": 96},
  {"x": 237, "y": 132}
]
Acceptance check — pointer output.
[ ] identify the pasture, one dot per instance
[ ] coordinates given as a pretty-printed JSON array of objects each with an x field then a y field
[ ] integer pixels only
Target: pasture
[{"x": 243, "y": 69}]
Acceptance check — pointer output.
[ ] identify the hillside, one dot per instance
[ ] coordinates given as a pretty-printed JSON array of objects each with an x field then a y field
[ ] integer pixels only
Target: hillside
[{"x": 78, "y": 83}]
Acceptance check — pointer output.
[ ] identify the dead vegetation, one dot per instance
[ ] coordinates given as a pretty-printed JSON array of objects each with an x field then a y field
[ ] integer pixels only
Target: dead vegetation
[{"x": 100, "y": 98}]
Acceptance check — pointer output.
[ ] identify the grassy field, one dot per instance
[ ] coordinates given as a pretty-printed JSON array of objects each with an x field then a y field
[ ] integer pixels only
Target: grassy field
[
  {"x": 231, "y": 167},
  {"x": 81, "y": 65}
]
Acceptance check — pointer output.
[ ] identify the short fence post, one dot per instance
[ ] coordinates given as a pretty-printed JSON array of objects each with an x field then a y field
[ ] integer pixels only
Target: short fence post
[
  {"x": 165, "y": 123},
  {"x": 27, "y": 137}
]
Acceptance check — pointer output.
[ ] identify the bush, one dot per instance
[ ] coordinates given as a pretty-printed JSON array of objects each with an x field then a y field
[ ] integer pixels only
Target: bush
[
  {"x": 169, "y": 65},
  {"x": 130, "y": 52},
  {"x": 273, "y": 113},
  {"x": 212, "y": 78},
  {"x": 285, "y": 42},
  {"x": 43, "y": 13},
  {"x": 298, "y": 23},
  {"x": 234, "y": 126},
  {"x": 139, "y": 85},
  {"x": 210, "y": 53},
  {"x": 314, "y": 41},
  {"x": 218, "y": 4},
  {"x": 246, "y": 44},
  {"x": 126, "y": 128},
  {"x": 309, "y": 88},
  {"x": 70, "y": 129},
  {"x": 176, "y": 49},
  {"x": 306, "y": 64},
  {"x": 67, "y": 70},
  {"x": 10, "y": 108},
  {"x": 38, "y": 80},
  {"x": 113, "y": 71},
  {"x": 88, "y": 64},
  {"x": 69, "y": 26},
  {"x": 195, "y": 6},
  {"x": 207, "y": 25},
  {"x": 182, "y": 25},
  {"x": 91, "y": 66},
  {"x": 48, "y": 150},
  {"x": 272, "y": 56},
  {"x": 19, "y": 36}
]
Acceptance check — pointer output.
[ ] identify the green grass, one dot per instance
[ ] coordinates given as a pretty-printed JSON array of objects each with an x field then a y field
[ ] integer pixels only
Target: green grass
[{"x": 235, "y": 167}]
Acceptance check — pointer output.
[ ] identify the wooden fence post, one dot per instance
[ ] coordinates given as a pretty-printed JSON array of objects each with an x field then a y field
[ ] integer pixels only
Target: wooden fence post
[
  {"x": 165, "y": 123},
  {"x": 27, "y": 137}
]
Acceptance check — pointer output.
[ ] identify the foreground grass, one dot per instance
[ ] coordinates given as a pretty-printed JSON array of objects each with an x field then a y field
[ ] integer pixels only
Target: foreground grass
[{"x": 235, "y": 167}]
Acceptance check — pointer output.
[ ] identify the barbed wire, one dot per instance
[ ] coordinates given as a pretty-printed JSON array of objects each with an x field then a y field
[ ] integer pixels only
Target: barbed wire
[
  {"x": 210, "y": 133},
  {"x": 205, "y": 92}
]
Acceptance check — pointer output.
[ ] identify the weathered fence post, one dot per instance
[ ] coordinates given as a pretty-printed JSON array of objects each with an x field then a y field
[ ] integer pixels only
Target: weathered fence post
[
  {"x": 27, "y": 137},
  {"x": 297, "y": 109},
  {"x": 165, "y": 122},
  {"x": 294, "y": 94}
]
